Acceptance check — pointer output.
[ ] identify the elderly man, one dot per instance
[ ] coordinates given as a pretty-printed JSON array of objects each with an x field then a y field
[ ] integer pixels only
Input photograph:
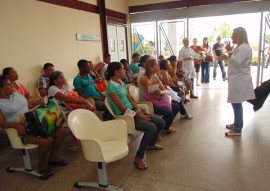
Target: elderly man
[{"x": 187, "y": 56}]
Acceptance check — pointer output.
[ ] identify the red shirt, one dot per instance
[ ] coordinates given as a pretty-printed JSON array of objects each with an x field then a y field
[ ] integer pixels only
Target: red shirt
[{"x": 197, "y": 49}]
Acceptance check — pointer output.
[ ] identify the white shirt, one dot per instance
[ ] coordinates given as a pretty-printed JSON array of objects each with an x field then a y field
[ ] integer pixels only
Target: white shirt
[
  {"x": 240, "y": 87},
  {"x": 188, "y": 65},
  {"x": 54, "y": 90},
  {"x": 103, "y": 70}
]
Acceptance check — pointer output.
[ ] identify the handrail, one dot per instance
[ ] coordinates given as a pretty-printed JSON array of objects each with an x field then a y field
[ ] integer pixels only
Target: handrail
[{"x": 166, "y": 38}]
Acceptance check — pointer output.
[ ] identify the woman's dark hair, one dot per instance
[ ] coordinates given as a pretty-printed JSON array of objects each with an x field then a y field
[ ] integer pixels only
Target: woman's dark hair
[
  {"x": 163, "y": 64},
  {"x": 112, "y": 67},
  {"x": 54, "y": 76},
  {"x": 3, "y": 79},
  {"x": 123, "y": 61},
  {"x": 161, "y": 57},
  {"x": 172, "y": 58},
  {"x": 6, "y": 71},
  {"x": 143, "y": 59}
]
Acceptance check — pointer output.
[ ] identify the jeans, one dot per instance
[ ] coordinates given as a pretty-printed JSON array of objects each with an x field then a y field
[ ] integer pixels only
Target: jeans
[
  {"x": 151, "y": 131},
  {"x": 182, "y": 108},
  {"x": 168, "y": 115},
  {"x": 238, "y": 117},
  {"x": 221, "y": 64},
  {"x": 205, "y": 71}
]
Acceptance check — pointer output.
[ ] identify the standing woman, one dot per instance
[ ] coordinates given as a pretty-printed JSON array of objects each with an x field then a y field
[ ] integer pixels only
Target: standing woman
[
  {"x": 121, "y": 102},
  {"x": 207, "y": 51},
  {"x": 240, "y": 87},
  {"x": 197, "y": 62}
]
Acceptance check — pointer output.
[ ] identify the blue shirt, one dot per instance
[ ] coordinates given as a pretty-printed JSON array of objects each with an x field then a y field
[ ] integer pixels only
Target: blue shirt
[
  {"x": 13, "y": 107},
  {"x": 134, "y": 67},
  {"x": 86, "y": 84}
]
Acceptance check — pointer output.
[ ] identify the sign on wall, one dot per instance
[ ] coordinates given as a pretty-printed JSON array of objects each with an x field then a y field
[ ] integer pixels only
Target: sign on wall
[{"x": 87, "y": 37}]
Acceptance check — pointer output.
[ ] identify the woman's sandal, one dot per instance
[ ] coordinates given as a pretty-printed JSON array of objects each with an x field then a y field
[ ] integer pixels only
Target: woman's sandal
[
  {"x": 140, "y": 164},
  {"x": 59, "y": 162},
  {"x": 48, "y": 171},
  {"x": 170, "y": 130},
  {"x": 155, "y": 147},
  {"x": 76, "y": 149}
]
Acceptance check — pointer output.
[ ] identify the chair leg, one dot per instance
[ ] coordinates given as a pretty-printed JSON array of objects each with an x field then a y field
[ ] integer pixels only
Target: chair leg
[
  {"x": 102, "y": 177},
  {"x": 27, "y": 167}
]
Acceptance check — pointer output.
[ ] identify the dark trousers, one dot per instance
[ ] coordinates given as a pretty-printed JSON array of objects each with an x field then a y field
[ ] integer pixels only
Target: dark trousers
[
  {"x": 182, "y": 108},
  {"x": 205, "y": 71},
  {"x": 168, "y": 115},
  {"x": 192, "y": 86},
  {"x": 151, "y": 131}
]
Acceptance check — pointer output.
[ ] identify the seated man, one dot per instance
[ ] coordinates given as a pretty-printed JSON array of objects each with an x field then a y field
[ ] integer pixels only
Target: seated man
[
  {"x": 85, "y": 87},
  {"x": 43, "y": 81}
]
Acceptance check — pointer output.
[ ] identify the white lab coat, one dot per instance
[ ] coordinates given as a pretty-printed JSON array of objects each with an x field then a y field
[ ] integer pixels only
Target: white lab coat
[
  {"x": 240, "y": 87},
  {"x": 188, "y": 65}
]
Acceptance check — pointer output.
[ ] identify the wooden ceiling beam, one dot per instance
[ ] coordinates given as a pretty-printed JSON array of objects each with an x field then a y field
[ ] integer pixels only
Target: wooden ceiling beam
[{"x": 179, "y": 4}]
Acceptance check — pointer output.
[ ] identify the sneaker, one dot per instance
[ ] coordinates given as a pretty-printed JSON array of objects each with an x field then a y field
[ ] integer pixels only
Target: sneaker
[
  {"x": 187, "y": 116},
  {"x": 232, "y": 133},
  {"x": 224, "y": 79},
  {"x": 230, "y": 126}
]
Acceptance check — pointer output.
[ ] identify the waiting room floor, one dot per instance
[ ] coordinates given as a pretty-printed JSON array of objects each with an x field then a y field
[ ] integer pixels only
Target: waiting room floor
[{"x": 198, "y": 157}]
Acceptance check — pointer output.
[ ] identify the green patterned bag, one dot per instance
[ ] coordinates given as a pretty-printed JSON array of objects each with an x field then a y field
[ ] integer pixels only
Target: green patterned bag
[{"x": 45, "y": 120}]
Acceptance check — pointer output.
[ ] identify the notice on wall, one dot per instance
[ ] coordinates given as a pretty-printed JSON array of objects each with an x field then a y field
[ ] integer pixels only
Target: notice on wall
[{"x": 87, "y": 37}]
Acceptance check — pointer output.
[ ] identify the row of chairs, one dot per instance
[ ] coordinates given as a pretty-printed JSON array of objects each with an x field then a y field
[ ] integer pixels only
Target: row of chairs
[{"x": 102, "y": 145}]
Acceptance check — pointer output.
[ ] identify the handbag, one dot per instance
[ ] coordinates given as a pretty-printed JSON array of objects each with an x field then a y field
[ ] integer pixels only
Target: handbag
[
  {"x": 174, "y": 95},
  {"x": 101, "y": 86},
  {"x": 45, "y": 120},
  {"x": 76, "y": 105},
  {"x": 208, "y": 58},
  {"x": 163, "y": 101}
]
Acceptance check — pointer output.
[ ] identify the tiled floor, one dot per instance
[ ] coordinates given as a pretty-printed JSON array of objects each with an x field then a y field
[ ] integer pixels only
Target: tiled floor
[{"x": 198, "y": 157}]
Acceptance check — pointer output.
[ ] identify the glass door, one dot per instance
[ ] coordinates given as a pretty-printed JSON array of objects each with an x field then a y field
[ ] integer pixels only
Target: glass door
[
  {"x": 144, "y": 38},
  {"x": 171, "y": 34}
]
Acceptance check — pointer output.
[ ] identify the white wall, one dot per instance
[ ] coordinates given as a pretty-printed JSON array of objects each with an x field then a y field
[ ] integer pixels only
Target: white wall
[{"x": 33, "y": 33}]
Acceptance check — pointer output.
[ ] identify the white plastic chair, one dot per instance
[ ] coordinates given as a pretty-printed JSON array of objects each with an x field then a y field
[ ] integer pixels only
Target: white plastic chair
[
  {"x": 16, "y": 143},
  {"x": 134, "y": 92},
  {"x": 129, "y": 120},
  {"x": 102, "y": 142}
]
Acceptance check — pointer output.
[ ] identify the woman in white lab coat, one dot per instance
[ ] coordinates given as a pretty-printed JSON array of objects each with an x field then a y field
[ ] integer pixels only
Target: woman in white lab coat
[{"x": 240, "y": 87}]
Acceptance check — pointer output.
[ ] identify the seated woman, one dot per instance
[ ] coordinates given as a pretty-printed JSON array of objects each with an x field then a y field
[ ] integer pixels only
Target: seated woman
[
  {"x": 147, "y": 82},
  {"x": 167, "y": 81},
  {"x": 183, "y": 76},
  {"x": 121, "y": 102},
  {"x": 12, "y": 75},
  {"x": 60, "y": 91},
  {"x": 12, "y": 105}
]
